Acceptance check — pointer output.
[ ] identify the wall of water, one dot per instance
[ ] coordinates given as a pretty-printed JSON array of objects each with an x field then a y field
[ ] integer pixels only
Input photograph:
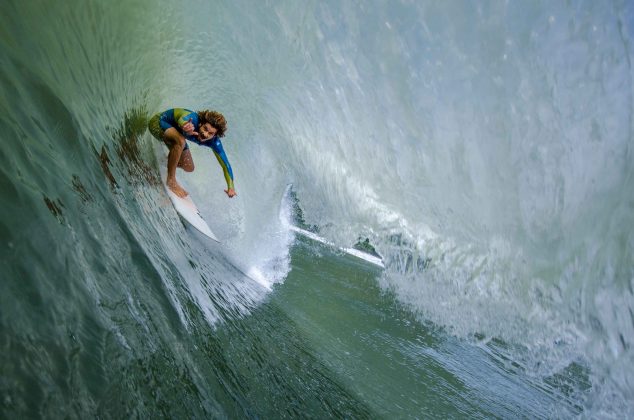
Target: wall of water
[{"x": 485, "y": 148}]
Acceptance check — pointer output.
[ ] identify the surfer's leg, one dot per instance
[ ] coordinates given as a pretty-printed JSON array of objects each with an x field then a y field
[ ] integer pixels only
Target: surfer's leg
[
  {"x": 176, "y": 142},
  {"x": 154, "y": 125},
  {"x": 186, "y": 161}
]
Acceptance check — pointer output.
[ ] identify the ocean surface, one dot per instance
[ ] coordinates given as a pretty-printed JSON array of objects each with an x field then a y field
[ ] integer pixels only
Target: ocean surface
[{"x": 484, "y": 149}]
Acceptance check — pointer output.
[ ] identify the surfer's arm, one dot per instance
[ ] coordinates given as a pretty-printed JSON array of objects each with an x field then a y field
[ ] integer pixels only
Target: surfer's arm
[
  {"x": 186, "y": 121},
  {"x": 221, "y": 156},
  {"x": 183, "y": 116},
  {"x": 187, "y": 126}
]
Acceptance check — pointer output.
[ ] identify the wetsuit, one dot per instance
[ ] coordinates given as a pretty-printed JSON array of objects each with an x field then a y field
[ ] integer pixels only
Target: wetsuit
[{"x": 177, "y": 118}]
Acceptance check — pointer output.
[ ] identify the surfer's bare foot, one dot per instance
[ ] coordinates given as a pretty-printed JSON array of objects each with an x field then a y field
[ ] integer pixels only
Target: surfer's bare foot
[{"x": 176, "y": 189}]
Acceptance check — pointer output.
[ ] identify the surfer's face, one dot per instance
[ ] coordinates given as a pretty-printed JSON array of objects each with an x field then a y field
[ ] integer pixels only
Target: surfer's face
[{"x": 206, "y": 132}]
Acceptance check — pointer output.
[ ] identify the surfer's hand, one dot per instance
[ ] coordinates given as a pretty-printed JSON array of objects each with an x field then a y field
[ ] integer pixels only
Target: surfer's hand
[
  {"x": 231, "y": 192},
  {"x": 188, "y": 128}
]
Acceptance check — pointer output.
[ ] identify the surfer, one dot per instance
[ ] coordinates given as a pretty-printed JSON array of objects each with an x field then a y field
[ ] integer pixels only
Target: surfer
[{"x": 175, "y": 126}]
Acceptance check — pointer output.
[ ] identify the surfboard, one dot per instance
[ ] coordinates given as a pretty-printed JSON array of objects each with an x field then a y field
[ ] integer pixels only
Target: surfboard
[
  {"x": 350, "y": 251},
  {"x": 188, "y": 211},
  {"x": 185, "y": 207}
]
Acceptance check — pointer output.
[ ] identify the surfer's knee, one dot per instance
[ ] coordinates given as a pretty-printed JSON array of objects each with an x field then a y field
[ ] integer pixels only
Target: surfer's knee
[
  {"x": 186, "y": 162},
  {"x": 173, "y": 138},
  {"x": 187, "y": 166}
]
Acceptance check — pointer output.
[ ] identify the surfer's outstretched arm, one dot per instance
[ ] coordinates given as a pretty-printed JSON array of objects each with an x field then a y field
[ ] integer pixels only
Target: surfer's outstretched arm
[{"x": 221, "y": 156}]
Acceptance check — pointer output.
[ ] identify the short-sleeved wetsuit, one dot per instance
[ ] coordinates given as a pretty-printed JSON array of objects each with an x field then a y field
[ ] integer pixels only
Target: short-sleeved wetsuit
[{"x": 177, "y": 118}]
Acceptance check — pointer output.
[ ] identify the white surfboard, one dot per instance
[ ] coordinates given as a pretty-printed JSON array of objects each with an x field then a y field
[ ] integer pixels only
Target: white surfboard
[
  {"x": 188, "y": 211},
  {"x": 350, "y": 251},
  {"x": 185, "y": 207}
]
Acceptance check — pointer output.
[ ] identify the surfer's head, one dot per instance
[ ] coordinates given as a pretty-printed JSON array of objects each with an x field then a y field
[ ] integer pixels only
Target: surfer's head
[
  {"x": 216, "y": 119},
  {"x": 206, "y": 132}
]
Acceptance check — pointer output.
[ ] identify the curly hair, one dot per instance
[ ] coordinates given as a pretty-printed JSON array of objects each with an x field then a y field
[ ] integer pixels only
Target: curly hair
[{"x": 216, "y": 119}]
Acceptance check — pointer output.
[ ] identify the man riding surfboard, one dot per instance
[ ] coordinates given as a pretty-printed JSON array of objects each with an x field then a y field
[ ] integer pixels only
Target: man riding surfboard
[{"x": 177, "y": 125}]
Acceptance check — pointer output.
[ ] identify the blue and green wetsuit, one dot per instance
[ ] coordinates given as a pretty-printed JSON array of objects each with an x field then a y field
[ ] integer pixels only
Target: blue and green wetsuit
[{"x": 177, "y": 118}]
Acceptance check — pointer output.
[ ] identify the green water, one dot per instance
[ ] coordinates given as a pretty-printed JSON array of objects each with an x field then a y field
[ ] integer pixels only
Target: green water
[
  {"x": 326, "y": 343},
  {"x": 349, "y": 349}
]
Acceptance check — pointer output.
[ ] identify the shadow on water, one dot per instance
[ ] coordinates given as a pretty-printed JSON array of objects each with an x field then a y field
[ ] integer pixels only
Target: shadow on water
[{"x": 132, "y": 149}]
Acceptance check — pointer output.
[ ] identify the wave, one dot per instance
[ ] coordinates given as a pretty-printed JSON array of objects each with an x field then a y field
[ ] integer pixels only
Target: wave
[{"x": 484, "y": 149}]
